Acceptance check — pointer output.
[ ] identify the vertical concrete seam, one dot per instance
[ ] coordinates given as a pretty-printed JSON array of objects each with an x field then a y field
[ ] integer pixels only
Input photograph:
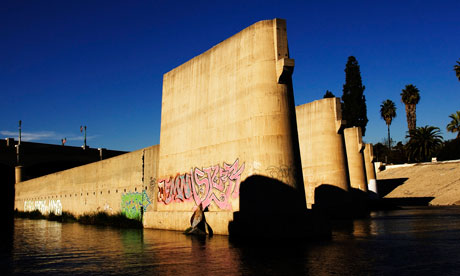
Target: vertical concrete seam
[{"x": 143, "y": 162}]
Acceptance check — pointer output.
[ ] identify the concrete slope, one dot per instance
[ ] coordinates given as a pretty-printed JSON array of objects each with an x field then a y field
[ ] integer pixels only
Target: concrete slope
[{"x": 440, "y": 181}]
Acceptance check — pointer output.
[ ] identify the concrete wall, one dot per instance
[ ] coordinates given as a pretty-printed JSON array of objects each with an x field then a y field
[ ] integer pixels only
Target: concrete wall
[
  {"x": 354, "y": 148},
  {"x": 321, "y": 146},
  {"x": 226, "y": 114},
  {"x": 118, "y": 184}
]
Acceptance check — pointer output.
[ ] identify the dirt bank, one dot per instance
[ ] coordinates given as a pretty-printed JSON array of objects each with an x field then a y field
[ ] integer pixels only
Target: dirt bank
[{"x": 438, "y": 182}]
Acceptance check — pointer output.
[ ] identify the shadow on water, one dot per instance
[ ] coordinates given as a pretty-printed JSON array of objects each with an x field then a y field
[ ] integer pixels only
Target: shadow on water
[
  {"x": 409, "y": 201},
  {"x": 271, "y": 209},
  {"x": 413, "y": 241}
]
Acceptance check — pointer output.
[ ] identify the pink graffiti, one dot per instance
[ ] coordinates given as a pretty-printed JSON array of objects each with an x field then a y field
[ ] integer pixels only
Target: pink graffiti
[
  {"x": 213, "y": 184},
  {"x": 177, "y": 189}
]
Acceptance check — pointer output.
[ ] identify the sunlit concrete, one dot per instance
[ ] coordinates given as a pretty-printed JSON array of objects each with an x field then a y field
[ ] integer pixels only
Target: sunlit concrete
[
  {"x": 321, "y": 146},
  {"x": 354, "y": 148},
  {"x": 370, "y": 170}
]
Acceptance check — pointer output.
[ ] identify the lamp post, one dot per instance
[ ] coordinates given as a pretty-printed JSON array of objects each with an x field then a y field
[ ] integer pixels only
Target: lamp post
[
  {"x": 19, "y": 143},
  {"x": 81, "y": 130},
  {"x": 20, "y": 124}
]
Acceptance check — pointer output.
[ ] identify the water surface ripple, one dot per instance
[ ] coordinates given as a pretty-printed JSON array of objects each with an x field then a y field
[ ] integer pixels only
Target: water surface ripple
[{"x": 415, "y": 241}]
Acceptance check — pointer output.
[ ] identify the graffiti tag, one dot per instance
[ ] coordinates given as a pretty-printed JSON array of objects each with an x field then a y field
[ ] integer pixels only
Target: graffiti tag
[
  {"x": 133, "y": 203},
  {"x": 213, "y": 184},
  {"x": 283, "y": 173},
  {"x": 53, "y": 206}
]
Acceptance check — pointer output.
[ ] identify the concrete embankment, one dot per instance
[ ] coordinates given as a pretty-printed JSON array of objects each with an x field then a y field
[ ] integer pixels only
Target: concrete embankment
[{"x": 438, "y": 183}]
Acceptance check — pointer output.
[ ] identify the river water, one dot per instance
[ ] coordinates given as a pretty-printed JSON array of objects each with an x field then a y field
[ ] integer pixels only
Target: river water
[{"x": 412, "y": 241}]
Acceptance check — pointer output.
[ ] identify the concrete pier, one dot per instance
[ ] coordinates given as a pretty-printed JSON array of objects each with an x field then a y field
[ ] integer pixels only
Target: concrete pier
[
  {"x": 320, "y": 128},
  {"x": 228, "y": 114},
  {"x": 370, "y": 170},
  {"x": 18, "y": 171},
  {"x": 354, "y": 149}
]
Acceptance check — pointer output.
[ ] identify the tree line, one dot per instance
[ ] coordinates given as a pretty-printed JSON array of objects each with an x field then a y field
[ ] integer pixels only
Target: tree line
[{"x": 424, "y": 142}]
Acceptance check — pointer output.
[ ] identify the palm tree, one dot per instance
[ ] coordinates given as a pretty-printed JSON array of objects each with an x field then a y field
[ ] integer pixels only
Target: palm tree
[
  {"x": 457, "y": 69},
  {"x": 423, "y": 143},
  {"x": 454, "y": 125},
  {"x": 410, "y": 97},
  {"x": 388, "y": 112}
]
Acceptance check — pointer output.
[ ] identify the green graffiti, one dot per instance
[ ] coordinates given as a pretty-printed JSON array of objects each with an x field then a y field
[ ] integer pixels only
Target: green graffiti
[{"x": 133, "y": 203}]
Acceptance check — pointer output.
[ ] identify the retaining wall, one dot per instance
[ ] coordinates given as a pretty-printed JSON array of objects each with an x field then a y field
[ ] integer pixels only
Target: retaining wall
[{"x": 119, "y": 184}]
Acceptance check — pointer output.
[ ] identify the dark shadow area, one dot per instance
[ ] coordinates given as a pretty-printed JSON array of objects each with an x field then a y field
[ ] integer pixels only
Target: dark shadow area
[
  {"x": 450, "y": 151},
  {"x": 271, "y": 209},
  {"x": 333, "y": 201},
  {"x": 337, "y": 203},
  {"x": 7, "y": 206},
  {"x": 359, "y": 203},
  {"x": 41, "y": 169},
  {"x": 408, "y": 201},
  {"x": 385, "y": 186}
]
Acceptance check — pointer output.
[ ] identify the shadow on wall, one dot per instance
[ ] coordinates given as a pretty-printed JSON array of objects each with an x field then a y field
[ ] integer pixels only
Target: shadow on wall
[
  {"x": 336, "y": 203},
  {"x": 385, "y": 186},
  {"x": 332, "y": 201},
  {"x": 271, "y": 209}
]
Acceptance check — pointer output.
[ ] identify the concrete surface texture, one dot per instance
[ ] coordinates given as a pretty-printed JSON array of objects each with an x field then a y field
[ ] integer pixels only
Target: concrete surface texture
[
  {"x": 438, "y": 183},
  {"x": 229, "y": 111},
  {"x": 370, "y": 169},
  {"x": 118, "y": 184},
  {"x": 229, "y": 141},
  {"x": 321, "y": 146},
  {"x": 354, "y": 148},
  {"x": 227, "y": 114}
]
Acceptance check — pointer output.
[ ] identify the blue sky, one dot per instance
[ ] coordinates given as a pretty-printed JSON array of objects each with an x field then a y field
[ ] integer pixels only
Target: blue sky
[{"x": 100, "y": 63}]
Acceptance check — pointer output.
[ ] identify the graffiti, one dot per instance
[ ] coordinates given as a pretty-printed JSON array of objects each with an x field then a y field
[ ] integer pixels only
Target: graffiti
[
  {"x": 107, "y": 208},
  {"x": 213, "y": 184},
  {"x": 283, "y": 173},
  {"x": 177, "y": 189},
  {"x": 254, "y": 168},
  {"x": 152, "y": 183},
  {"x": 133, "y": 203},
  {"x": 53, "y": 206}
]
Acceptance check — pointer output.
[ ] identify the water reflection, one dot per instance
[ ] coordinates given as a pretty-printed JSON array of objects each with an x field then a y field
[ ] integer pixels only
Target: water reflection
[{"x": 404, "y": 242}]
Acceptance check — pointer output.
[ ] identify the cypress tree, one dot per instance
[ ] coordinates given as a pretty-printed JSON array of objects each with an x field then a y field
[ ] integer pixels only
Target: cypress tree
[
  {"x": 328, "y": 94},
  {"x": 354, "y": 109}
]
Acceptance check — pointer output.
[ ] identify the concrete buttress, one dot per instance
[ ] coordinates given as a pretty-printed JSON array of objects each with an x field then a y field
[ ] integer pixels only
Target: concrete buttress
[
  {"x": 354, "y": 149},
  {"x": 227, "y": 114},
  {"x": 320, "y": 128},
  {"x": 370, "y": 169}
]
